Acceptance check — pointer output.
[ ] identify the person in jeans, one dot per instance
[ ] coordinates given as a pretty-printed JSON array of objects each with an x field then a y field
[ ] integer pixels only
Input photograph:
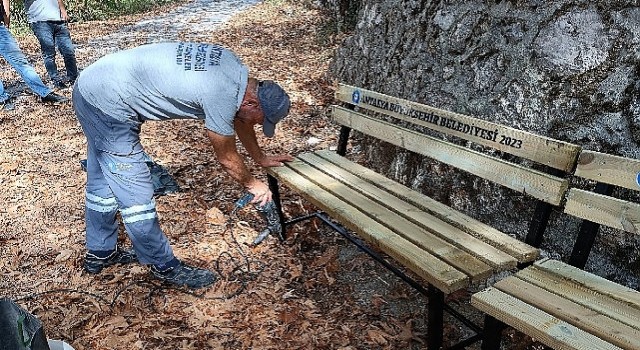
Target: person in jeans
[
  {"x": 47, "y": 19},
  {"x": 11, "y": 52},
  {"x": 176, "y": 80}
]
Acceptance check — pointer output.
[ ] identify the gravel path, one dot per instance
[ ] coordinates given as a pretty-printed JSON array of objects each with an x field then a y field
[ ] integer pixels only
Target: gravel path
[{"x": 193, "y": 22}]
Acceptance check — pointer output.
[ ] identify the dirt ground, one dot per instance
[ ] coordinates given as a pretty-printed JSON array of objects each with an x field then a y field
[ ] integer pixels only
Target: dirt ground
[{"x": 315, "y": 291}]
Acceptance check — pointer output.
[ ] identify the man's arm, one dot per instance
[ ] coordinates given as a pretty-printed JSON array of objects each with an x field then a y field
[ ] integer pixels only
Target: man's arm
[
  {"x": 247, "y": 135},
  {"x": 63, "y": 11},
  {"x": 6, "y": 18},
  {"x": 231, "y": 160}
]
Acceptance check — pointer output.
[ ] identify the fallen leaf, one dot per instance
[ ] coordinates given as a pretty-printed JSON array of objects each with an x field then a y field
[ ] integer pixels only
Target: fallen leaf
[
  {"x": 117, "y": 322},
  {"x": 378, "y": 336},
  {"x": 64, "y": 255},
  {"x": 215, "y": 216}
]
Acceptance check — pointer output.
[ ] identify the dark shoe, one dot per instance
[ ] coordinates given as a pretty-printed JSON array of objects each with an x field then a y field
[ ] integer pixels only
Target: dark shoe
[
  {"x": 54, "y": 98},
  {"x": 94, "y": 264},
  {"x": 59, "y": 85},
  {"x": 185, "y": 275},
  {"x": 8, "y": 105}
]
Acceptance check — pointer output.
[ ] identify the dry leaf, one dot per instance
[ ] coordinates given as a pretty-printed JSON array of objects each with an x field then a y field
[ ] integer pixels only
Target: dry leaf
[
  {"x": 407, "y": 333},
  {"x": 215, "y": 216},
  {"x": 64, "y": 255},
  {"x": 377, "y": 336},
  {"x": 117, "y": 322}
]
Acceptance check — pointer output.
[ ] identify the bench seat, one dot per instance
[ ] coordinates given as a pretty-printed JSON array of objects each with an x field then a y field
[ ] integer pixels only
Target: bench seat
[
  {"x": 565, "y": 307},
  {"x": 446, "y": 248}
]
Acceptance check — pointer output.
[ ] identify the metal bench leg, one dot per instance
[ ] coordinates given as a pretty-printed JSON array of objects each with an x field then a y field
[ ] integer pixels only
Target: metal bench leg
[
  {"x": 344, "y": 139},
  {"x": 541, "y": 215},
  {"x": 539, "y": 224},
  {"x": 273, "y": 187},
  {"x": 492, "y": 333},
  {"x": 587, "y": 235},
  {"x": 435, "y": 318}
]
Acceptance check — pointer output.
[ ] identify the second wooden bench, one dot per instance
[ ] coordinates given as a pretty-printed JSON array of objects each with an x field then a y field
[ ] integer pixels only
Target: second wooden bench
[{"x": 561, "y": 305}]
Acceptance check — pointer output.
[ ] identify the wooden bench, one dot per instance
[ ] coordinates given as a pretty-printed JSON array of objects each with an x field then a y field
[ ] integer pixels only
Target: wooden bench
[
  {"x": 598, "y": 207},
  {"x": 449, "y": 250},
  {"x": 561, "y": 305}
]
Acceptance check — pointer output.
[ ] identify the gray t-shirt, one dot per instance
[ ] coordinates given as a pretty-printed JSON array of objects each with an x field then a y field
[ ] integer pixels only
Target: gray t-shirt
[
  {"x": 168, "y": 81},
  {"x": 42, "y": 10}
]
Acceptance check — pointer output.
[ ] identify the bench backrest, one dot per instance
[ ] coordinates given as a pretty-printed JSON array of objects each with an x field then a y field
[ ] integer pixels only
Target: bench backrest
[
  {"x": 547, "y": 187},
  {"x": 598, "y": 207},
  {"x": 540, "y": 149}
]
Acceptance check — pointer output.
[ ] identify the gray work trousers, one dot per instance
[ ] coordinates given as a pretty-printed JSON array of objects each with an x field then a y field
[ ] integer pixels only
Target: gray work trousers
[{"x": 118, "y": 178}]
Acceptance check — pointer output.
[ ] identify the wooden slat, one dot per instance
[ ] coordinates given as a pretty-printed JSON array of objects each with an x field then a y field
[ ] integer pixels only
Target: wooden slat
[
  {"x": 579, "y": 316},
  {"x": 534, "y": 183},
  {"x": 584, "y": 295},
  {"x": 518, "y": 249},
  {"x": 458, "y": 258},
  {"x": 452, "y": 234},
  {"x": 597, "y": 283},
  {"x": 607, "y": 168},
  {"x": 433, "y": 270},
  {"x": 530, "y": 320},
  {"x": 554, "y": 153},
  {"x": 604, "y": 210}
]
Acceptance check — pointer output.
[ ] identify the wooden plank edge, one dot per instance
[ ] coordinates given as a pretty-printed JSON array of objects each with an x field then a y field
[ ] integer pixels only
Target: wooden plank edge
[
  {"x": 609, "y": 211},
  {"x": 609, "y": 168},
  {"x": 590, "y": 318},
  {"x": 536, "y": 323},
  {"x": 580, "y": 296},
  {"x": 593, "y": 281}
]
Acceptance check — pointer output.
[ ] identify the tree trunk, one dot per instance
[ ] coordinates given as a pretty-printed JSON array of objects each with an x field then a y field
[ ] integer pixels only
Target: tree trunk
[{"x": 564, "y": 69}]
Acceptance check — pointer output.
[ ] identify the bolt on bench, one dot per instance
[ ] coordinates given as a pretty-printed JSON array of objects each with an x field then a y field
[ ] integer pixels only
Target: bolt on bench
[
  {"x": 561, "y": 305},
  {"x": 449, "y": 250}
]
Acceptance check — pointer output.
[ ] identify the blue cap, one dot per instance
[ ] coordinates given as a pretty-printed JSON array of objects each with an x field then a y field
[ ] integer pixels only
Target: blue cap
[{"x": 275, "y": 104}]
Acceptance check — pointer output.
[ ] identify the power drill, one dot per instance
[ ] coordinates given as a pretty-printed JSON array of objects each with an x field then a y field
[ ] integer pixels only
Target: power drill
[{"x": 269, "y": 212}]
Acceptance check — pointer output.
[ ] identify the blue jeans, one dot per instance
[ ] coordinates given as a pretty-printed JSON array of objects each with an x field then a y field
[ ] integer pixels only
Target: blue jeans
[
  {"x": 10, "y": 50},
  {"x": 51, "y": 34}
]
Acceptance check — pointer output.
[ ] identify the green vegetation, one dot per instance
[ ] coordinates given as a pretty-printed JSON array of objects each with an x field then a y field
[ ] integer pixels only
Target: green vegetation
[{"x": 86, "y": 10}]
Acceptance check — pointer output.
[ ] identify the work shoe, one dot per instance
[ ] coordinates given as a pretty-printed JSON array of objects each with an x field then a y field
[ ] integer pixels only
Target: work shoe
[
  {"x": 59, "y": 84},
  {"x": 185, "y": 275},
  {"x": 8, "y": 104},
  {"x": 94, "y": 264},
  {"x": 54, "y": 98}
]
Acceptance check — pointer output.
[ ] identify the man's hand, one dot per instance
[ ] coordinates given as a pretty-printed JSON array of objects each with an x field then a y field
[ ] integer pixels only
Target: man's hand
[
  {"x": 63, "y": 15},
  {"x": 63, "y": 11},
  {"x": 227, "y": 154},
  {"x": 261, "y": 193},
  {"x": 275, "y": 160},
  {"x": 6, "y": 16}
]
